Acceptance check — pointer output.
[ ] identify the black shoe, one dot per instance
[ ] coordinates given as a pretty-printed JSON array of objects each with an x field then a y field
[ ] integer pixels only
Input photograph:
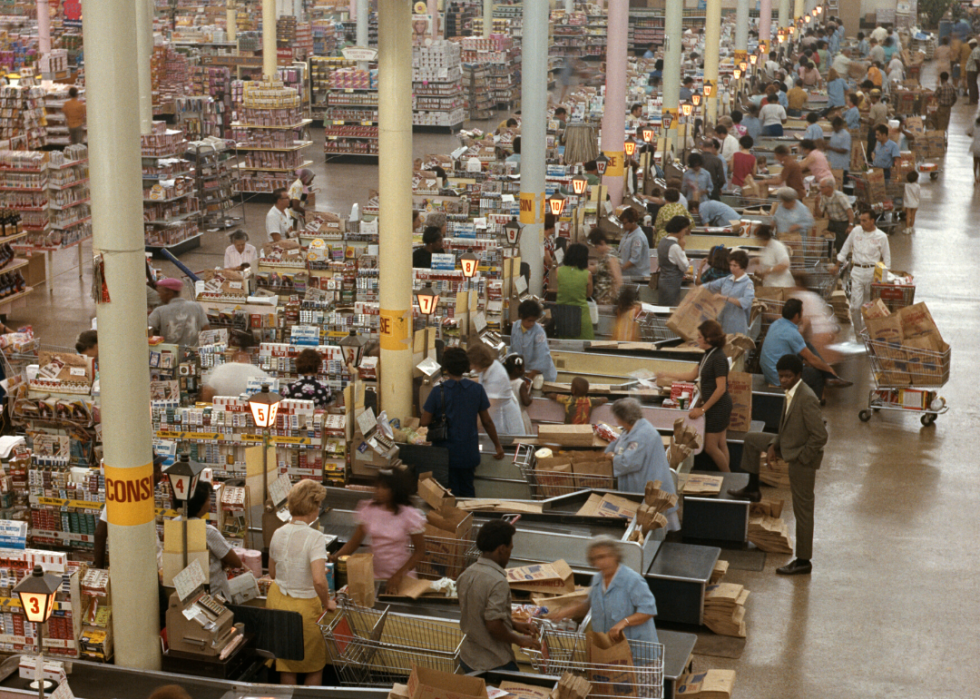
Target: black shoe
[
  {"x": 837, "y": 382},
  {"x": 746, "y": 494},
  {"x": 797, "y": 567}
]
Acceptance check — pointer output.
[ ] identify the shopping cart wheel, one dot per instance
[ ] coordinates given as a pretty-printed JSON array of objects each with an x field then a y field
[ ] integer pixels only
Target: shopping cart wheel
[
  {"x": 927, "y": 419},
  {"x": 864, "y": 415}
]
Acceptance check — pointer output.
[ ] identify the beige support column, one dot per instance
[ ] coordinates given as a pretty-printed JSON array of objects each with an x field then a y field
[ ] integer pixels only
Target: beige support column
[
  {"x": 798, "y": 9},
  {"x": 269, "y": 48},
  {"x": 712, "y": 39},
  {"x": 487, "y": 17},
  {"x": 112, "y": 92},
  {"x": 231, "y": 20},
  {"x": 144, "y": 54},
  {"x": 395, "y": 190}
]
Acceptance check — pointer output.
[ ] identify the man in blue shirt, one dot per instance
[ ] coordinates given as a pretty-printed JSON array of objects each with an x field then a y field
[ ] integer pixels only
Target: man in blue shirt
[
  {"x": 863, "y": 46},
  {"x": 634, "y": 248},
  {"x": 783, "y": 338},
  {"x": 715, "y": 213},
  {"x": 651, "y": 51},
  {"x": 687, "y": 89},
  {"x": 886, "y": 151},
  {"x": 528, "y": 339}
]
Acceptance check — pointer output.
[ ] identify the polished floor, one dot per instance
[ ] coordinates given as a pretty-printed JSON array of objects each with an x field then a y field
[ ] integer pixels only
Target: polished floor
[{"x": 892, "y": 607}]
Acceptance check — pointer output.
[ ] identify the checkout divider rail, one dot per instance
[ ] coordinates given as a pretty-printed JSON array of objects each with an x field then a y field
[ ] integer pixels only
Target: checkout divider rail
[{"x": 376, "y": 648}]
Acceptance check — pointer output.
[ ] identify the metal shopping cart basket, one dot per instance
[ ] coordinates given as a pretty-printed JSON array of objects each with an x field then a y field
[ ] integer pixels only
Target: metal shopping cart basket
[
  {"x": 906, "y": 379},
  {"x": 895, "y": 296},
  {"x": 545, "y": 483},
  {"x": 653, "y": 327},
  {"x": 446, "y": 557},
  {"x": 565, "y": 651},
  {"x": 376, "y": 648}
]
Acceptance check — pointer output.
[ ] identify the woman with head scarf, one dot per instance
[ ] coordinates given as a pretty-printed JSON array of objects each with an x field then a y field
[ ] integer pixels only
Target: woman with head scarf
[{"x": 298, "y": 193}]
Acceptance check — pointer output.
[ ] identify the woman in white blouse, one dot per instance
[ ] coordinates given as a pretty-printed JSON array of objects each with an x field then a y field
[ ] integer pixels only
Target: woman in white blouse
[
  {"x": 240, "y": 253},
  {"x": 297, "y": 564},
  {"x": 504, "y": 409}
]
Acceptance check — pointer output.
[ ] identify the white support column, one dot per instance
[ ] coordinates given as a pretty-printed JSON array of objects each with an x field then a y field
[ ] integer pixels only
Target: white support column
[
  {"x": 144, "y": 54},
  {"x": 673, "y": 30},
  {"x": 487, "y": 18},
  {"x": 569, "y": 5},
  {"x": 742, "y": 26},
  {"x": 712, "y": 39},
  {"x": 270, "y": 53},
  {"x": 614, "y": 114},
  {"x": 534, "y": 110},
  {"x": 363, "y": 22},
  {"x": 112, "y": 92},
  {"x": 784, "y": 19},
  {"x": 395, "y": 189},
  {"x": 231, "y": 20},
  {"x": 44, "y": 26}
]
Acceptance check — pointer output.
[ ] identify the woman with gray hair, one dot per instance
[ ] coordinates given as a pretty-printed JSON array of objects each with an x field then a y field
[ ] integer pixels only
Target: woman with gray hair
[
  {"x": 240, "y": 254},
  {"x": 619, "y": 598},
  {"x": 638, "y": 455}
]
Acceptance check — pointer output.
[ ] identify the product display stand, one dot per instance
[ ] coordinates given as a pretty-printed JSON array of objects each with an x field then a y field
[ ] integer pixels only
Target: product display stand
[
  {"x": 170, "y": 209},
  {"x": 216, "y": 178},
  {"x": 437, "y": 87},
  {"x": 271, "y": 135},
  {"x": 351, "y": 117},
  {"x": 54, "y": 102}
]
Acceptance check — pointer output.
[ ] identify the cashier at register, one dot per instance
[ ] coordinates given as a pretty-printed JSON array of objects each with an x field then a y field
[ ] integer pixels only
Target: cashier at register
[
  {"x": 619, "y": 598},
  {"x": 220, "y": 553},
  {"x": 638, "y": 455}
]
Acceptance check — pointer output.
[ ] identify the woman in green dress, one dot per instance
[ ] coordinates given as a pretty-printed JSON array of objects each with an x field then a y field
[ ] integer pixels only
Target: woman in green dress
[{"x": 575, "y": 285}]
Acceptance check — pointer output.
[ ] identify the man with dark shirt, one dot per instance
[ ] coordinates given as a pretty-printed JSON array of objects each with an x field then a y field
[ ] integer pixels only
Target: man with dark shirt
[
  {"x": 714, "y": 165},
  {"x": 431, "y": 243}
]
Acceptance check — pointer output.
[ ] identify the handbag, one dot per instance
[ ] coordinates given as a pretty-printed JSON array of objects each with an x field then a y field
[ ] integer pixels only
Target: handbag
[
  {"x": 439, "y": 427},
  {"x": 593, "y": 311}
]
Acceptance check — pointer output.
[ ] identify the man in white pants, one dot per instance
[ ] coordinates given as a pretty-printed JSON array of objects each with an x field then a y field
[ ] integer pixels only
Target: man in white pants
[{"x": 868, "y": 246}]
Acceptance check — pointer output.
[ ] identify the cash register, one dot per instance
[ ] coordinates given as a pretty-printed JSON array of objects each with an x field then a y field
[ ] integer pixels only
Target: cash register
[{"x": 200, "y": 625}]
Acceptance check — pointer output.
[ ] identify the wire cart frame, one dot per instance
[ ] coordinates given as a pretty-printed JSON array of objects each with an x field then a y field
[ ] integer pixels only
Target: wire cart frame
[
  {"x": 550, "y": 484},
  {"x": 566, "y": 651},
  {"x": 376, "y": 648},
  {"x": 905, "y": 379},
  {"x": 895, "y": 296},
  {"x": 447, "y": 558},
  {"x": 653, "y": 328}
]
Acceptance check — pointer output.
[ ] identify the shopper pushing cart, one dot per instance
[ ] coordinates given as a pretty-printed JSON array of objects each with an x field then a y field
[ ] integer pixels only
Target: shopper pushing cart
[{"x": 867, "y": 246}]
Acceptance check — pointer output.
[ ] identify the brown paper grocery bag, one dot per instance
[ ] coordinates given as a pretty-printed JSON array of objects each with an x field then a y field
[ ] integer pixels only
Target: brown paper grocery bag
[
  {"x": 360, "y": 579},
  {"x": 740, "y": 389},
  {"x": 612, "y": 662},
  {"x": 698, "y": 306}
]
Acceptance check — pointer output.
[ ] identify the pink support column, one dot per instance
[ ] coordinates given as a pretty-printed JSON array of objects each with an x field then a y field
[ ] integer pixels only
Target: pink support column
[
  {"x": 614, "y": 114},
  {"x": 765, "y": 21},
  {"x": 353, "y": 10},
  {"x": 434, "y": 11},
  {"x": 44, "y": 27}
]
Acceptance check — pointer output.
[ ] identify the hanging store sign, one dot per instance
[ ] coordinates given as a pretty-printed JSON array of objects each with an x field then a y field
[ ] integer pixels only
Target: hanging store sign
[{"x": 360, "y": 53}]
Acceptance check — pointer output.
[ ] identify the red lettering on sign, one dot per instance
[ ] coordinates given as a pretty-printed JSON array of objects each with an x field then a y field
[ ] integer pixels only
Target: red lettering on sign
[
  {"x": 128, "y": 491},
  {"x": 527, "y": 205},
  {"x": 385, "y": 325}
]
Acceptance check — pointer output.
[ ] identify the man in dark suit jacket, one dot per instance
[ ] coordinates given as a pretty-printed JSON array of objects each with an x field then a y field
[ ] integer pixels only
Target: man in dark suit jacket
[{"x": 800, "y": 442}]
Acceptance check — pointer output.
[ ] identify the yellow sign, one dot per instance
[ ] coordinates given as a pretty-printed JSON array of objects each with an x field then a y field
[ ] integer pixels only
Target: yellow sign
[
  {"x": 740, "y": 55},
  {"x": 129, "y": 495},
  {"x": 669, "y": 118},
  {"x": 393, "y": 328},
  {"x": 531, "y": 212},
  {"x": 616, "y": 166}
]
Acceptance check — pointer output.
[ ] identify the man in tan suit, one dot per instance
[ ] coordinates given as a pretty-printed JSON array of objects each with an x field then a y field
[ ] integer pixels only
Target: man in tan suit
[{"x": 800, "y": 442}]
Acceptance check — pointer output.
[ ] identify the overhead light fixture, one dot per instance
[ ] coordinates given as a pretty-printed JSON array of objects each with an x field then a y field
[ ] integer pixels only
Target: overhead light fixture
[
  {"x": 648, "y": 134},
  {"x": 743, "y": 66},
  {"x": 782, "y": 38},
  {"x": 687, "y": 109},
  {"x": 37, "y": 592},
  {"x": 753, "y": 58},
  {"x": 428, "y": 299},
  {"x": 352, "y": 346},
  {"x": 601, "y": 163},
  {"x": 696, "y": 98},
  {"x": 807, "y": 18},
  {"x": 737, "y": 73},
  {"x": 709, "y": 89},
  {"x": 630, "y": 147},
  {"x": 469, "y": 262},
  {"x": 264, "y": 406},
  {"x": 183, "y": 475},
  {"x": 579, "y": 184},
  {"x": 557, "y": 203}
]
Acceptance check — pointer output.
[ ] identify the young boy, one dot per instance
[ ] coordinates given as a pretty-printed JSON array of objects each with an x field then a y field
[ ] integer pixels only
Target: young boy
[
  {"x": 578, "y": 406},
  {"x": 528, "y": 339},
  {"x": 911, "y": 200}
]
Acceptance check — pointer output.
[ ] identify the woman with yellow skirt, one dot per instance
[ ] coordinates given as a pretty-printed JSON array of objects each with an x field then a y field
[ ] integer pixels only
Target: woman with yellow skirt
[{"x": 297, "y": 564}]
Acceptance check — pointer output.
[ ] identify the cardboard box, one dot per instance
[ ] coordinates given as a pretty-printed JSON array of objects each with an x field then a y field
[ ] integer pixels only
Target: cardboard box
[
  {"x": 525, "y": 691},
  {"x": 713, "y": 684},
  {"x": 424, "y": 683},
  {"x": 593, "y": 474},
  {"x": 554, "y": 577},
  {"x": 566, "y": 435},
  {"x": 435, "y": 495},
  {"x": 612, "y": 506}
]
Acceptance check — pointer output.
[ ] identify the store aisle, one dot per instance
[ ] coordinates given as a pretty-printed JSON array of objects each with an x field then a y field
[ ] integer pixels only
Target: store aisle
[{"x": 891, "y": 605}]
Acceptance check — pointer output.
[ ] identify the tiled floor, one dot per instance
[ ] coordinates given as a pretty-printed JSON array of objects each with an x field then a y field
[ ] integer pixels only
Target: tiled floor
[{"x": 893, "y": 603}]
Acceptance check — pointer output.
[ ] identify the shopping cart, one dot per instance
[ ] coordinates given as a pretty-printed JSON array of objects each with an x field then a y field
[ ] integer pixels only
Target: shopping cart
[
  {"x": 906, "y": 379},
  {"x": 884, "y": 202},
  {"x": 895, "y": 296},
  {"x": 653, "y": 327},
  {"x": 447, "y": 558},
  {"x": 566, "y": 651},
  {"x": 376, "y": 648},
  {"x": 550, "y": 484}
]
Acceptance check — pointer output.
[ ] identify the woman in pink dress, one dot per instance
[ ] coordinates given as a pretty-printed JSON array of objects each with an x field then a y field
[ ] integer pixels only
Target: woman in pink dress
[{"x": 396, "y": 530}]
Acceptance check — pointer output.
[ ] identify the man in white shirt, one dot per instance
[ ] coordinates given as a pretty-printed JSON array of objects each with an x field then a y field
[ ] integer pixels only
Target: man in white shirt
[
  {"x": 867, "y": 246},
  {"x": 772, "y": 66},
  {"x": 231, "y": 379},
  {"x": 278, "y": 223},
  {"x": 879, "y": 34}
]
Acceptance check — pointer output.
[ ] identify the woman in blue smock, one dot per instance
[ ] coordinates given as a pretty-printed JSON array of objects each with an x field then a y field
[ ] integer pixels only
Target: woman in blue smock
[
  {"x": 620, "y": 600},
  {"x": 738, "y": 292}
]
